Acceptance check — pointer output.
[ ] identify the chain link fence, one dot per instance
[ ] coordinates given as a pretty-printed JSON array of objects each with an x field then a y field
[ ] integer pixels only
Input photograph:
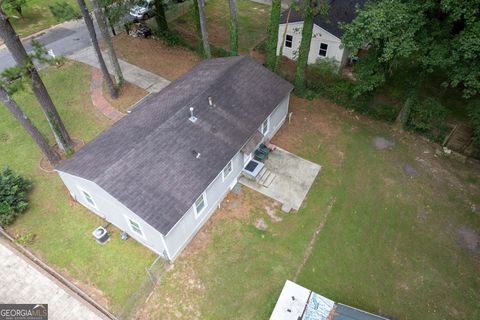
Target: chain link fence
[{"x": 153, "y": 274}]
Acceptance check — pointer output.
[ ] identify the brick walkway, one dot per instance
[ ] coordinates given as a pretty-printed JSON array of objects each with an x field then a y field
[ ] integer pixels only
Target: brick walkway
[
  {"x": 23, "y": 282},
  {"x": 99, "y": 100}
]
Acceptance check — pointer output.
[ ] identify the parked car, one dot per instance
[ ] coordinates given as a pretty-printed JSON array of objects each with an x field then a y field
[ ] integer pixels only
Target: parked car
[{"x": 143, "y": 10}]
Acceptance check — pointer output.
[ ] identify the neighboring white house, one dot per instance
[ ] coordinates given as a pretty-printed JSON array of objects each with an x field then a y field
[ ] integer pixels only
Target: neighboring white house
[
  {"x": 161, "y": 171},
  {"x": 326, "y": 35}
]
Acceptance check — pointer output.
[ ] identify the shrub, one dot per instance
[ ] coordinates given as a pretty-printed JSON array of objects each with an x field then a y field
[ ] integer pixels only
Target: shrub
[
  {"x": 62, "y": 11},
  {"x": 218, "y": 52},
  {"x": 428, "y": 116},
  {"x": 13, "y": 195}
]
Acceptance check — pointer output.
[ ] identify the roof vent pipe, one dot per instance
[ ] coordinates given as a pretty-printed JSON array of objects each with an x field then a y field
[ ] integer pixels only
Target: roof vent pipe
[
  {"x": 210, "y": 101},
  {"x": 192, "y": 117}
]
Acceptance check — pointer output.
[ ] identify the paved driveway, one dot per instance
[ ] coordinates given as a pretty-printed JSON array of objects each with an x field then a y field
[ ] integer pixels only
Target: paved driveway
[{"x": 23, "y": 282}]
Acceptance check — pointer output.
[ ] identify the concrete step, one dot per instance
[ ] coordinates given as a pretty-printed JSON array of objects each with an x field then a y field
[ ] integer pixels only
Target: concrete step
[
  {"x": 265, "y": 177},
  {"x": 269, "y": 180},
  {"x": 261, "y": 174}
]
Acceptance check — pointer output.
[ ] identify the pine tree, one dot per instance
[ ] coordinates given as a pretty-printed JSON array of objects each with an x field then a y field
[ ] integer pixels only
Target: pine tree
[
  {"x": 22, "y": 118},
  {"x": 19, "y": 54},
  {"x": 93, "y": 37}
]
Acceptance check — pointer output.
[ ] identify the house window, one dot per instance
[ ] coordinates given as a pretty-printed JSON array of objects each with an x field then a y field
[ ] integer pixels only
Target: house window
[
  {"x": 200, "y": 205},
  {"x": 227, "y": 170},
  {"x": 265, "y": 125},
  {"x": 135, "y": 226},
  {"x": 288, "y": 41},
  {"x": 88, "y": 198},
  {"x": 323, "y": 49}
]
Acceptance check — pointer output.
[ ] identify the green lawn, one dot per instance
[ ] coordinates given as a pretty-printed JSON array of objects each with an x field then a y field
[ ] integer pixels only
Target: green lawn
[
  {"x": 62, "y": 228},
  {"x": 387, "y": 240},
  {"x": 36, "y": 16},
  {"x": 252, "y": 23}
]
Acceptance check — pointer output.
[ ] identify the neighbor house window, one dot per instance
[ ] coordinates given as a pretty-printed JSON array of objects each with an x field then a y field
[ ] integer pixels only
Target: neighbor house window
[
  {"x": 135, "y": 226},
  {"x": 288, "y": 41},
  {"x": 264, "y": 128},
  {"x": 323, "y": 49},
  {"x": 227, "y": 170},
  {"x": 200, "y": 204},
  {"x": 88, "y": 198}
]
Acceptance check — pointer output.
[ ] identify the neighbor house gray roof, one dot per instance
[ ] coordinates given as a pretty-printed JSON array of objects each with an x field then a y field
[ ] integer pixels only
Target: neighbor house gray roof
[
  {"x": 146, "y": 160},
  {"x": 344, "y": 312},
  {"x": 338, "y": 11}
]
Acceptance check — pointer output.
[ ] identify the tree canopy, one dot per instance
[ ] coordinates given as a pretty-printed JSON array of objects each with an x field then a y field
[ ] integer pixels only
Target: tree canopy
[{"x": 441, "y": 36}]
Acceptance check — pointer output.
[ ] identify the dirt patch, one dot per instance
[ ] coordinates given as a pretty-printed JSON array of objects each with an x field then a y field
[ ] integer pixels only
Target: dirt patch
[
  {"x": 93, "y": 292},
  {"x": 155, "y": 56},
  {"x": 469, "y": 239},
  {"x": 128, "y": 95},
  {"x": 272, "y": 212},
  {"x": 261, "y": 224},
  {"x": 409, "y": 170},
  {"x": 381, "y": 143},
  {"x": 237, "y": 205}
]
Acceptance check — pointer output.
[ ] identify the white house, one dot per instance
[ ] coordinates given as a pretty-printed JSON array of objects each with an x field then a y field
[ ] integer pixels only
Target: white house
[
  {"x": 326, "y": 35},
  {"x": 160, "y": 172}
]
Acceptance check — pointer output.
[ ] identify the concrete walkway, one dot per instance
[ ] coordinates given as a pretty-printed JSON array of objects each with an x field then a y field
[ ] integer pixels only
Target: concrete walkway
[
  {"x": 133, "y": 74},
  {"x": 24, "y": 282}
]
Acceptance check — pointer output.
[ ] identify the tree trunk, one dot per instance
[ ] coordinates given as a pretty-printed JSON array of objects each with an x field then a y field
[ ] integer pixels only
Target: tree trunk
[
  {"x": 203, "y": 28},
  {"x": 304, "y": 49},
  {"x": 14, "y": 45},
  {"x": 11, "y": 105},
  {"x": 160, "y": 16},
  {"x": 284, "y": 37},
  {"x": 102, "y": 25},
  {"x": 233, "y": 28},
  {"x": 273, "y": 34},
  {"x": 109, "y": 21},
  {"x": 93, "y": 37}
]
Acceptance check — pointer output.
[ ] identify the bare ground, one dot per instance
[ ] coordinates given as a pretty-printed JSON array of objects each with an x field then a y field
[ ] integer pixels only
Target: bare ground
[{"x": 155, "y": 56}]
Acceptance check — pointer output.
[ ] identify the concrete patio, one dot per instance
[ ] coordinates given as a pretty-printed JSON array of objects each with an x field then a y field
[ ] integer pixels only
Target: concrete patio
[{"x": 285, "y": 178}]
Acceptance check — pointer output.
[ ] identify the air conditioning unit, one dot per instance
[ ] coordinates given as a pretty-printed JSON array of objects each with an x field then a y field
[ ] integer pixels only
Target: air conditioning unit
[
  {"x": 101, "y": 235},
  {"x": 253, "y": 168}
]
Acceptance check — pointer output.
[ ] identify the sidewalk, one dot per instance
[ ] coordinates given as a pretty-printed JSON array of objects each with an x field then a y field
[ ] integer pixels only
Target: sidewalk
[
  {"x": 24, "y": 282},
  {"x": 133, "y": 74}
]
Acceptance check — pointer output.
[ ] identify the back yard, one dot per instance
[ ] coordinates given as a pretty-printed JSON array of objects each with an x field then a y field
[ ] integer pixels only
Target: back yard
[{"x": 388, "y": 226}]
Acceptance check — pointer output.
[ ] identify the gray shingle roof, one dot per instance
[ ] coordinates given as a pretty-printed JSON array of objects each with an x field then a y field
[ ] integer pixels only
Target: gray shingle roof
[
  {"x": 146, "y": 160},
  {"x": 339, "y": 11},
  {"x": 344, "y": 312}
]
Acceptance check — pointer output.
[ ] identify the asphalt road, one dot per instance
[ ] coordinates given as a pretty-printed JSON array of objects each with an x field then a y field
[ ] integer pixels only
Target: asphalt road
[{"x": 64, "y": 39}]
